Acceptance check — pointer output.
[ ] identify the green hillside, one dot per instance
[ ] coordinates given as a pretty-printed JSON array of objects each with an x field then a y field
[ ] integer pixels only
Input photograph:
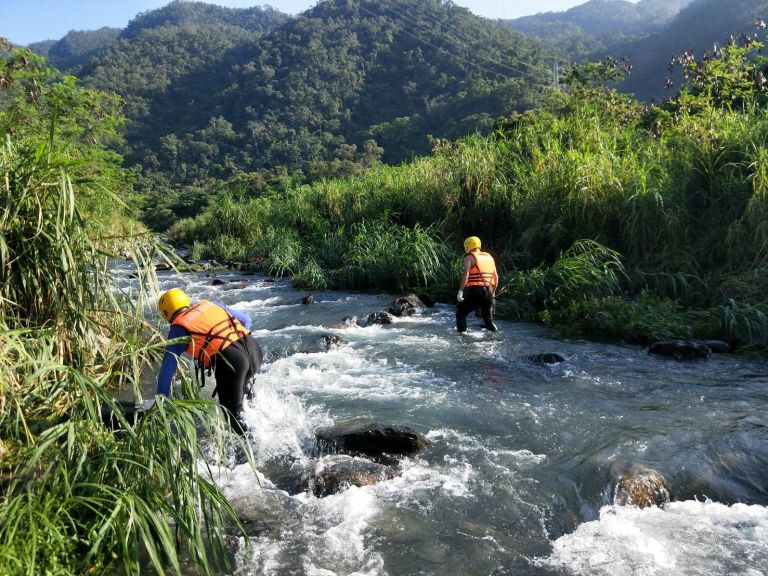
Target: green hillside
[
  {"x": 340, "y": 87},
  {"x": 76, "y": 48}
]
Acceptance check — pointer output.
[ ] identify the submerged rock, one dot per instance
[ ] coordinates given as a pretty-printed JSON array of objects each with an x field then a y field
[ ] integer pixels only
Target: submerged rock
[
  {"x": 309, "y": 299},
  {"x": 235, "y": 285},
  {"x": 637, "y": 485},
  {"x": 370, "y": 438},
  {"x": 406, "y": 305},
  {"x": 218, "y": 282},
  {"x": 264, "y": 511},
  {"x": 335, "y": 473},
  {"x": 680, "y": 349},
  {"x": 547, "y": 358}
]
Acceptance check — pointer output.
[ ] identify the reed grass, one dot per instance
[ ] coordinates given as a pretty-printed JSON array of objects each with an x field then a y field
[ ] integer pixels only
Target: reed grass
[{"x": 78, "y": 498}]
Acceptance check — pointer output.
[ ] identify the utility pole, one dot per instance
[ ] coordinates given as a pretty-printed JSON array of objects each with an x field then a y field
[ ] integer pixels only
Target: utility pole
[{"x": 555, "y": 75}]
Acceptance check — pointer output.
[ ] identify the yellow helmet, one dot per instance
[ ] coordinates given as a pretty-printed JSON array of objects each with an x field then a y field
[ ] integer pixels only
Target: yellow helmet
[
  {"x": 171, "y": 301},
  {"x": 471, "y": 243}
]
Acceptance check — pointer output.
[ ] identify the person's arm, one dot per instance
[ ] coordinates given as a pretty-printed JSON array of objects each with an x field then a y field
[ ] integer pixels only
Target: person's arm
[
  {"x": 468, "y": 260},
  {"x": 170, "y": 360},
  {"x": 239, "y": 316},
  {"x": 494, "y": 280}
]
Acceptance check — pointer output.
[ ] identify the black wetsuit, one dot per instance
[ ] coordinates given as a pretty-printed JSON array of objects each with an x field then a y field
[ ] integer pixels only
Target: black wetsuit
[
  {"x": 476, "y": 297},
  {"x": 234, "y": 367}
]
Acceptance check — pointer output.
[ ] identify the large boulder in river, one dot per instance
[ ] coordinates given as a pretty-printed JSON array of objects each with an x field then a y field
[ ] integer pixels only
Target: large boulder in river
[
  {"x": 407, "y": 305},
  {"x": 637, "y": 485},
  {"x": 369, "y": 438},
  {"x": 680, "y": 349},
  {"x": 335, "y": 473},
  {"x": 329, "y": 341},
  {"x": 378, "y": 318}
]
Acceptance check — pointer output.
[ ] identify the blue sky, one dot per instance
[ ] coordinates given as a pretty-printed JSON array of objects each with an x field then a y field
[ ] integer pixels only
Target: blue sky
[{"x": 26, "y": 21}]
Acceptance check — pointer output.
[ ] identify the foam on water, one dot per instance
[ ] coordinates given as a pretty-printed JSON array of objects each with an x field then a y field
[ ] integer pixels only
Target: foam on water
[
  {"x": 278, "y": 422},
  {"x": 329, "y": 537},
  {"x": 348, "y": 372},
  {"x": 684, "y": 538}
]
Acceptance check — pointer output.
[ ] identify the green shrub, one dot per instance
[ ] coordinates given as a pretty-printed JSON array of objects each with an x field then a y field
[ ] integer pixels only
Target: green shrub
[
  {"x": 394, "y": 257},
  {"x": 642, "y": 320},
  {"x": 311, "y": 276}
]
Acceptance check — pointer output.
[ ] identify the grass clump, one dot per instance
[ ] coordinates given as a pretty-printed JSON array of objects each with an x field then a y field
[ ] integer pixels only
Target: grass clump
[{"x": 78, "y": 498}]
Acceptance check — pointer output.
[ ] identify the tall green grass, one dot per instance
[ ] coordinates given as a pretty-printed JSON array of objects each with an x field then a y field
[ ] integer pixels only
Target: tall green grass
[{"x": 78, "y": 498}]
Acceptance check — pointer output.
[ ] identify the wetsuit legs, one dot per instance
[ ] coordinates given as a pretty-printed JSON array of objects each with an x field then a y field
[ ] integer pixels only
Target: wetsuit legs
[
  {"x": 475, "y": 297},
  {"x": 238, "y": 362}
]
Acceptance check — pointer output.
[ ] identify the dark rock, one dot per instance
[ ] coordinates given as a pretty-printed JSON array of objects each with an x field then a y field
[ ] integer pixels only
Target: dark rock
[
  {"x": 333, "y": 474},
  {"x": 546, "y": 358},
  {"x": 680, "y": 349},
  {"x": 309, "y": 299},
  {"x": 218, "y": 282},
  {"x": 331, "y": 341},
  {"x": 370, "y": 438},
  {"x": 637, "y": 485},
  {"x": 427, "y": 300},
  {"x": 717, "y": 346},
  {"x": 379, "y": 318},
  {"x": 406, "y": 305},
  {"x": 162, "y": 267}
]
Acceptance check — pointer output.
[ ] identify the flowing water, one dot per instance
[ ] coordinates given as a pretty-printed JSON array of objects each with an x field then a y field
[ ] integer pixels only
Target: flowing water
[{"x": 517, "y": 479}]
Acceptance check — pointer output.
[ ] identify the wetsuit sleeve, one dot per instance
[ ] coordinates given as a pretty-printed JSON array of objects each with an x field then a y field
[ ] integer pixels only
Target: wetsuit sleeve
[
  {"x": 239, "y": 316},
  {"x": 170, "y": 360}
]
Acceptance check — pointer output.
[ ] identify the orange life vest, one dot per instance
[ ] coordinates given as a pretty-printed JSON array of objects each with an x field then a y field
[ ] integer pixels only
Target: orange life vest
[
  {"x": 482, "y": 271},
  {"x": 212, "y": 329}
]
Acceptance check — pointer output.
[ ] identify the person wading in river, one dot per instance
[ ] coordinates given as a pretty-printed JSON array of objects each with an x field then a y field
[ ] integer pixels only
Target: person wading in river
[
  {"x": 220, "y": 340},
  {"x": 478, "y": 285}
]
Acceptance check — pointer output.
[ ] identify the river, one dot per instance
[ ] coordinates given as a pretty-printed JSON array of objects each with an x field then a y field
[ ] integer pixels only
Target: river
[{"x": 517, "y": 479}]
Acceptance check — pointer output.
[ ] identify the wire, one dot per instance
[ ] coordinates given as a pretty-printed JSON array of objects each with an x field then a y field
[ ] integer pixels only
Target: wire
[{"x": 460, "y": 33}]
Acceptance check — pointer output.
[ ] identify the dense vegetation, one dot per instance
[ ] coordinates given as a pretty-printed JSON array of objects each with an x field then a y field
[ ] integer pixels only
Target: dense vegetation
[
  {"x": 78, "y": 498},
  {"x": 212, "y": 93},
  {"x": 76, "y": 48},
  {"x": 670, "y": 200}
]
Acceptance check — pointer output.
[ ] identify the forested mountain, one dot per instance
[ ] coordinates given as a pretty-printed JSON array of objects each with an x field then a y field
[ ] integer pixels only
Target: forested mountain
[
  {"x": 346, "y": 83},
  {"x": 697, "y": 28},
  {"x": 598, "y": 25},
  {"x": 76, "y": 48},
  {"x": 180, "y": 12}
]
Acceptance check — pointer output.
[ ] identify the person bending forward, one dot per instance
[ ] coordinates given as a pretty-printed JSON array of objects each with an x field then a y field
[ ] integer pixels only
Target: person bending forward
[{"x": 220, "y": 340}]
